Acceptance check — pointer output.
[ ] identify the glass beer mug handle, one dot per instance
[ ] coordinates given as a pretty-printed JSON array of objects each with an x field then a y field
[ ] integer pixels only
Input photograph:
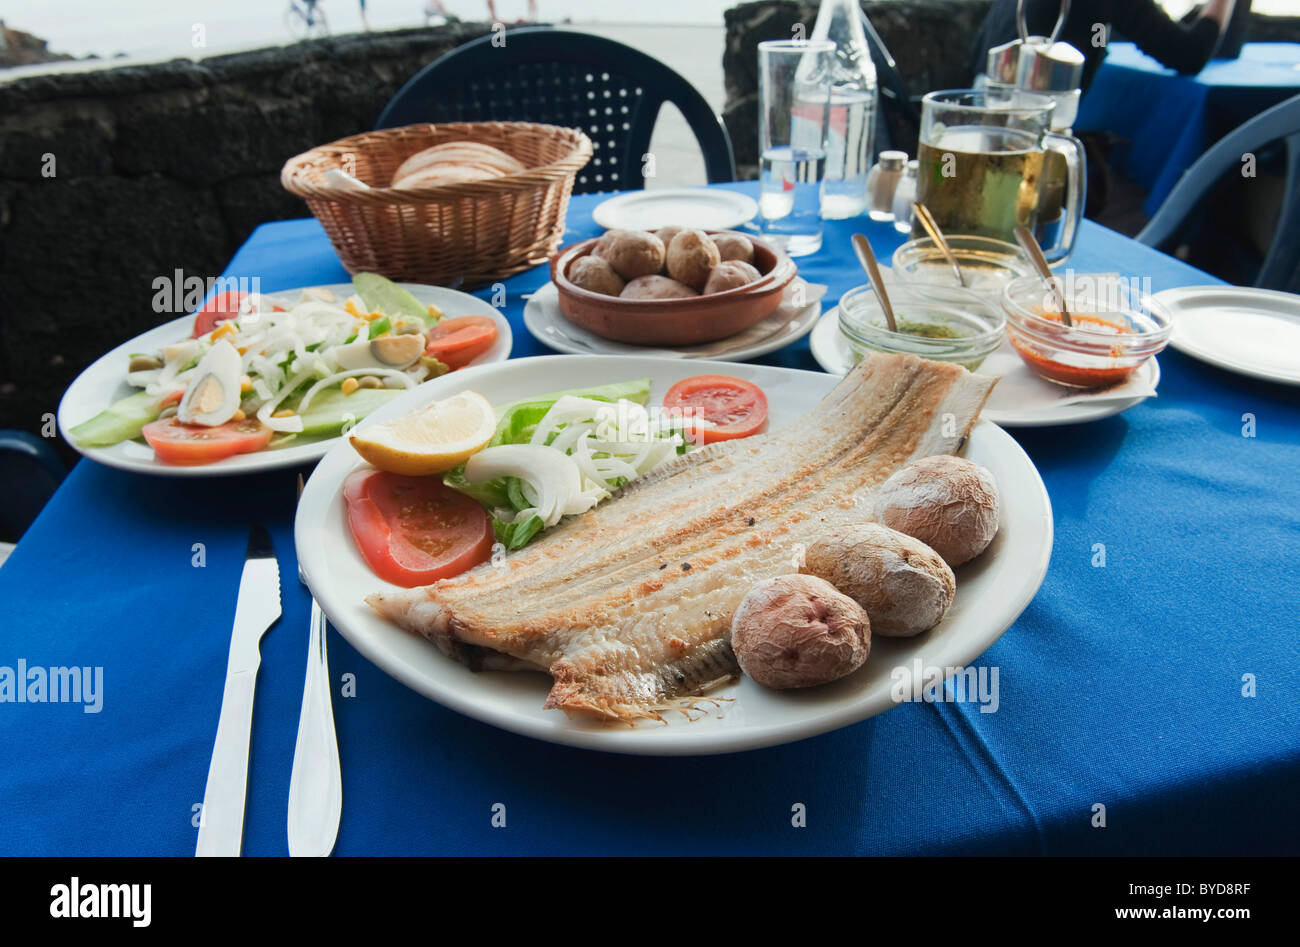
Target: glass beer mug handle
[{"x": 1076, "y": 192}]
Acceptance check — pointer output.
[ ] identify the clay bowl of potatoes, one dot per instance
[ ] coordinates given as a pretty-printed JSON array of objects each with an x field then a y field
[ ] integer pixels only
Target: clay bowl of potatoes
[{"x": 673, "y": 286}]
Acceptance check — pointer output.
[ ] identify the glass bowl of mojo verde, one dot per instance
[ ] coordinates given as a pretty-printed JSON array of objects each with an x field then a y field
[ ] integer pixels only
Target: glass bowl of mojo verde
[
  {"x": 1115, "y": 327},
  {"x": 942, "y": 323}
]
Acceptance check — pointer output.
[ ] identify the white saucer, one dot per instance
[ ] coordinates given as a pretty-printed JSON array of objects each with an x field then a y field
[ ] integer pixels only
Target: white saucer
[
  {"x": 833, "y": 354},
  {"x": 543, "y": 319},
  {"x": 1253, "y": 332},
  {"x": 705, "y": 208}
]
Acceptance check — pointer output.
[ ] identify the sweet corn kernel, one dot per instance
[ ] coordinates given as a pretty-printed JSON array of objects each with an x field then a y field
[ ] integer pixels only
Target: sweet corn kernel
[
  {"x": 245, "y": 384},
  {"x": 282, "y": 413},
  {"x": 434, "y": 312},
  {"x": 352, "y": 310},
  {"x": 350, "y": 385},
  {"x": 226, "y": 328},
  {"x": 371, "y": 317},
  {"x": 239, "y": 415}
]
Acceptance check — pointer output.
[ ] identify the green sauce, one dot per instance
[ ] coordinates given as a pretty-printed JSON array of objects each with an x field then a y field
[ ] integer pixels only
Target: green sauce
[{"x": 930, "y": 330}]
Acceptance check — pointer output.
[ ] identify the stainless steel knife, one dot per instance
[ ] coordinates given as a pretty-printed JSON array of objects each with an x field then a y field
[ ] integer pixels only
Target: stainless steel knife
[{"x": 221, "y": 824}]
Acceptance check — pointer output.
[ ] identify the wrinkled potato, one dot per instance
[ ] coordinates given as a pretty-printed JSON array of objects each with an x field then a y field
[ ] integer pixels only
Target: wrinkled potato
[
  {"x": 904, "y": 585},
  {"x": 631, "y": 253},
  {"x": 594, "y": 274},
  {"x": 798, "y": 631},
  {"x": 730, "y": 274},
  {"x": 656, "y": 287},
  {"x": 734, "y": 246},
  {"x": 666, "y": 234},
  {"x": 947, "y": 502},
  {"x": 691, "y": 256}
]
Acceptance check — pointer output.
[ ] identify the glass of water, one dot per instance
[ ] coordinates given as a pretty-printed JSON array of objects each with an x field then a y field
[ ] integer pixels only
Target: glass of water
[{"x": 794, "y": 94}]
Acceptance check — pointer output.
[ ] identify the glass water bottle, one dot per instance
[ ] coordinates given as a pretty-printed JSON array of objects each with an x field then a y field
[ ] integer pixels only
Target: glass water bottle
[{"x": 851, "y": 123}]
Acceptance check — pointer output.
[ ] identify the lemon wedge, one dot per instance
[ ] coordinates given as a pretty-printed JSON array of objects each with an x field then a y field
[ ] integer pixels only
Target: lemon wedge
[{"x": 434, "y": 439}]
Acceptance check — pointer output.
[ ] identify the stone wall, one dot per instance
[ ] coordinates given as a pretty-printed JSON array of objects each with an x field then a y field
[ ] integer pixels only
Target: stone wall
[{"x": 112, "y": 177}]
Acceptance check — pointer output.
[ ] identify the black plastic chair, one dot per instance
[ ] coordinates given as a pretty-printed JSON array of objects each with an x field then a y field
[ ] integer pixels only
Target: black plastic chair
[
  {"x": 610, "y": 91},
  {"x": 31, "y": 471},
  {"x": 1281, "y": 267}
]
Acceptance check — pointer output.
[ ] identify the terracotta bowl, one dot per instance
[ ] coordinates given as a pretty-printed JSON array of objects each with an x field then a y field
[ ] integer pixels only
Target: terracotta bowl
[{"x": 687, "y": 321}]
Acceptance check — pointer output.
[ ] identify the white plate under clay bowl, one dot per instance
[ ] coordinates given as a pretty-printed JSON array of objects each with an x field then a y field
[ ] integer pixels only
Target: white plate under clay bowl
[
  {"x": 543, "y": 318},
  {"x": 992, "y": 590},
  {"x": 1021, "y": 398},
  {"x": 105, "y": 382},
  {"x": 705, "y": 208},
  {"x": 1253, "y": 332}
]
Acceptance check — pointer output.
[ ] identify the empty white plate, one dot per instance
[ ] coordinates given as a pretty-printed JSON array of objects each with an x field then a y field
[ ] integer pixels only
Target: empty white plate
[
  {"x": 1253, "y": 332},
  {"x": 700, "y": 207}
]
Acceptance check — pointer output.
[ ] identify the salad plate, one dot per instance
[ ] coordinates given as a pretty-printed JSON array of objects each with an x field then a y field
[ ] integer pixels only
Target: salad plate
[
  {"x": 104, "y": 382},
  {"x": 992, "y": 591},
  {"x": 1023, "y": 401}
]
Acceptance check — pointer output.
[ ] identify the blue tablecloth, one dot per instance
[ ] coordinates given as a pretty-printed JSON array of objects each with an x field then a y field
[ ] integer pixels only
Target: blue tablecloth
[
  {"x": 1167, "y": 121},
  {"x": 1120, "y": 686}
]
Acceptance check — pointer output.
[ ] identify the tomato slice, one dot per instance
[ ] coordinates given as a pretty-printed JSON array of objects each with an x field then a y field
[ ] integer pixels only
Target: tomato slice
[
  {"x": 219, "y": 308},
  {"x": 188, "y": 445},
  {"x": 415, "y": 530},
  {"x": 457, "y": 342},
  {"x": 738, "y": 408}
]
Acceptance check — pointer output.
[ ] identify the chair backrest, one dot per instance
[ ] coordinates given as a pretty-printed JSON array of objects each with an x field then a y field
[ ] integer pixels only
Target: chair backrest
[
  {"x": 610, "y": 91},
  {"x": 1281, "y": 267},
  {"x": 31, "y": 471}
]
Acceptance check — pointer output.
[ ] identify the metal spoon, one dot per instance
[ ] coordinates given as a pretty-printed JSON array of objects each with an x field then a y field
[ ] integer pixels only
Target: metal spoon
[
  {"x": 1035, "y": 253},
  {"x": 932, "y": 228},
  {"x": 867, "y": 257}
]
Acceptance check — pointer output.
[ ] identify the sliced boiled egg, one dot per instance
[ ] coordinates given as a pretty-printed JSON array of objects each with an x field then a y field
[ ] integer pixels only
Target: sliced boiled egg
[
  {"x": 387, "y": 351},
  {"x": 212, "y": 396}
]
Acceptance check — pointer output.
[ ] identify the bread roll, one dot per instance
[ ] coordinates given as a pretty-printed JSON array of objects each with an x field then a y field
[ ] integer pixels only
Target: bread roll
[
  {"x": 947, "y": 502},
  {"x": 474, "y": 161},
  {"x": 904, "y": 586}
]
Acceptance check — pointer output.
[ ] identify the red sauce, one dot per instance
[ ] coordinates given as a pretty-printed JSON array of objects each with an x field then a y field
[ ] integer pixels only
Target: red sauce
[{"x": 1077, "y": 375}]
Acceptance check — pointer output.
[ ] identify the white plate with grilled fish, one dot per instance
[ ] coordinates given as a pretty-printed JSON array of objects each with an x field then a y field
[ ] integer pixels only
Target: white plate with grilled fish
[{"x": 613, "y": 616}]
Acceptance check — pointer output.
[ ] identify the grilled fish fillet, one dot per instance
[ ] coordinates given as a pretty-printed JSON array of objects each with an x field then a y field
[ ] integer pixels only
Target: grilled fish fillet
[{"x": 629, "y": 606}]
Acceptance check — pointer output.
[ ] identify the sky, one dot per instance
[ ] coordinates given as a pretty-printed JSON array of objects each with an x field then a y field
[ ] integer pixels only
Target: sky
[{"x": 148, "y": 28}]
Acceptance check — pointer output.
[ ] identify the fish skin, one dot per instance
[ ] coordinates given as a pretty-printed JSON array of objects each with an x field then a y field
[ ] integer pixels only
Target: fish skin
[{"x": 629, "y": 606}]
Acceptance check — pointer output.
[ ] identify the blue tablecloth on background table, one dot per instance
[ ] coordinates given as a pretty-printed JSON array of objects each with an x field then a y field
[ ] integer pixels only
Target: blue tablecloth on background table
[
  {"x": 1167, "y": 121},
  {"x": 1120, "y": 686}
]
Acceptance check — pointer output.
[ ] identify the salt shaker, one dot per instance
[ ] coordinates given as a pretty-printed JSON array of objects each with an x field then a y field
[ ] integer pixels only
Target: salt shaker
[
  {"x": 905, "y": 197},
  {"x": 882, "y": 182}
]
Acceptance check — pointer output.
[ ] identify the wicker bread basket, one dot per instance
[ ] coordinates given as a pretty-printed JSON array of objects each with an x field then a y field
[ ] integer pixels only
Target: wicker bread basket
[{"x": 480, "y": 231}]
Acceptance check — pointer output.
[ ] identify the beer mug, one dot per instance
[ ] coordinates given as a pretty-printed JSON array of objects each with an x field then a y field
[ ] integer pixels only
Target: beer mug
[{"x": 984, "y": 166}]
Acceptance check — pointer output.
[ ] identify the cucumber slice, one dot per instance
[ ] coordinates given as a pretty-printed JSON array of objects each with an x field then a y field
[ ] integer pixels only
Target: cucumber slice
[
  {"x": 120, "y": 421},
  {"x": 331, "y": 410}
]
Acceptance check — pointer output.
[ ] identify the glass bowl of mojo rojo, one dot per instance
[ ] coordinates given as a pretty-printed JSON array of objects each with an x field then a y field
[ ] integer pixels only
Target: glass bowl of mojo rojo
[
  {"x": 1115, "y": 328},
  {"x": 942, "y": 323}
]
